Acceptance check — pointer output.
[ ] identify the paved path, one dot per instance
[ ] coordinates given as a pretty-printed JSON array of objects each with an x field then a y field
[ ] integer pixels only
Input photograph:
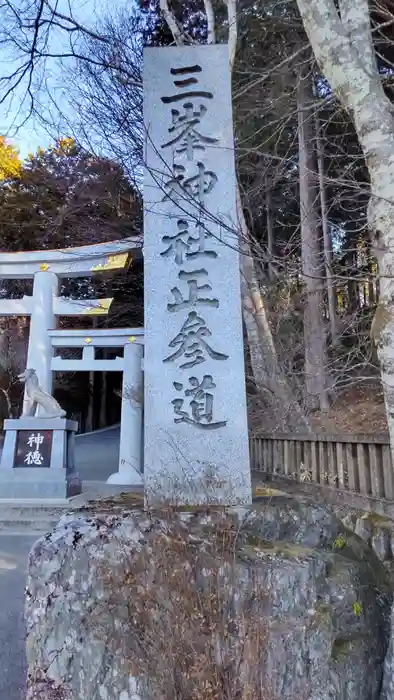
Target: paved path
[
  {"x": 14, "y": 550},
  {"x": 97, "y": 454}
]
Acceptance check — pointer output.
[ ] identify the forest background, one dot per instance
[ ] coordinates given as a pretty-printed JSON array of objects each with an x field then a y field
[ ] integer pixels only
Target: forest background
[{"x": 310, "y": 278}]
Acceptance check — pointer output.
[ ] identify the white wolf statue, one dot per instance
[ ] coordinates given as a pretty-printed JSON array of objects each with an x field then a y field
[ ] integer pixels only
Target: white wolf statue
[{"x": 38, "y": 397}]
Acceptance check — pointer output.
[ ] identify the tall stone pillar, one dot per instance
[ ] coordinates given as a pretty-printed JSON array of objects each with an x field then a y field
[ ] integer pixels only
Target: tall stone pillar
[
  {"x": 130, "y": 449},
  {"x": 42, "y": 319},
  {"x": 196, "y": 433}
]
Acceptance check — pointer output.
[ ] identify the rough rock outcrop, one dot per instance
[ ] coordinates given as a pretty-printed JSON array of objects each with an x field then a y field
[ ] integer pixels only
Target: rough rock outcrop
[
  {"x": 388, "y": 678},
  {"x": 42, "y": 687},
  {"x": 296, "y": 602},
  {"x": 378, "y": 532},
  {"x": 375, "y": 530}
]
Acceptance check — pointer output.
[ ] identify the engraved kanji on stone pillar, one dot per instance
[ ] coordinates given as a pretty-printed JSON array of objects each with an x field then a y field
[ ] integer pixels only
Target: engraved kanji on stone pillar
[{"x": 195, "y": 405}]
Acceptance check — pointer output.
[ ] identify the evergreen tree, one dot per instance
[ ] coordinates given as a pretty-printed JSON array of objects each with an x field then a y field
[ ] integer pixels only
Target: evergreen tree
[{"x": 65, "y": 196}]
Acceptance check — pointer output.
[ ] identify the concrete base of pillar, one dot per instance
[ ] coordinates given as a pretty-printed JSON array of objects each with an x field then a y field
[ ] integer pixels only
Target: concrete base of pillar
[
  {"x": 38, "y": 459},
  {"x": 129, "y": 478}
]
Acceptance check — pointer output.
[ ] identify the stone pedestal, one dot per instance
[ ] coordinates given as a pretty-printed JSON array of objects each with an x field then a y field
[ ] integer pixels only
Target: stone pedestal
[{"x": 38, "y": 459}]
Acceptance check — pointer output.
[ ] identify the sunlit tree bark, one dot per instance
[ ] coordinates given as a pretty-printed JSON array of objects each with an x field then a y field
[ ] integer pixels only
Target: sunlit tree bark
[{"x": 341, "y": 38}]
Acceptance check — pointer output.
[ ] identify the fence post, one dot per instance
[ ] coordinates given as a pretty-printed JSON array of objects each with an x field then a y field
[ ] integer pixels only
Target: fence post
[
  {"x": 376, "y": 468},
  {"x": 362, "y": 469},
  {"x": 341, "y": 465},
  {"x": 387, "y": 472},
  {"x": 351, "y": 468}
]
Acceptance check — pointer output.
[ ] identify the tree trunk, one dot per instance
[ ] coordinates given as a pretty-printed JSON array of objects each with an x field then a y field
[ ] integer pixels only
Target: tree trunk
[
  {"x": 327, "y": 240},
  {"x": 344, "y": 48},
  {"x": 265, "y": 366},
  {"x": 268, "y": 376},
  {"x": 311, "y": 256},
  {"x": 103, "y": 396},
  {"x": 352, "y": 281},
  {"x": 89, "y": 423},
  {"x": 270, "y": 228},
  {"x": 371, "y": 278}
]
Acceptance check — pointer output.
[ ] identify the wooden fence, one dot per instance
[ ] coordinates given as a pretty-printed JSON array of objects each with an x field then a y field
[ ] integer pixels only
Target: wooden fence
[{"x": 355, "y": 464}]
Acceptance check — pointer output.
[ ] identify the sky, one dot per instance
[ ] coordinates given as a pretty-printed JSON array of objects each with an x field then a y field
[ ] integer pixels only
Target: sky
[{"x": 31, "y": 135}]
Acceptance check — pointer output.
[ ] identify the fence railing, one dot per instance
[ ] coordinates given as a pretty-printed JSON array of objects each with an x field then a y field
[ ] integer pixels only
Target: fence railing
[{"x": 357, "y": 464}]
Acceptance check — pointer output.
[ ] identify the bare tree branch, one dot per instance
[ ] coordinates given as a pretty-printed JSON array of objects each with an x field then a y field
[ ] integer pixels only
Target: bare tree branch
[{"x": 232, "y": 30}]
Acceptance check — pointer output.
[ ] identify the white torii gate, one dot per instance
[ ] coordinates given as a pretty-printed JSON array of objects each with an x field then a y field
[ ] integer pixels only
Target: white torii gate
[
  {"x": 131, "y": 340},
  {"x": 46, "y": 268}
]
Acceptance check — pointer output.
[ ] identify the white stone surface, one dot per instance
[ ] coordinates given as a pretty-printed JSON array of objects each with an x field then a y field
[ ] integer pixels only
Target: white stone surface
[
  {"x": 99, "y": 339},
  {"x": 40, "y": 424},
  {"x": 196, "y": 442},
  {"x": 39, "y": 403},
  {"x": 130, "y": 449},
  {"x": 39, "y": 354},
  {"x": 62, "y": 306}
]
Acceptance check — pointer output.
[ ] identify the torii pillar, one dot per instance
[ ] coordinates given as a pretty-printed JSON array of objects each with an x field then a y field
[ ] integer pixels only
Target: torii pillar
[
  {"x": 130, "y": 447},
  {"x": 42, "y": 319}
]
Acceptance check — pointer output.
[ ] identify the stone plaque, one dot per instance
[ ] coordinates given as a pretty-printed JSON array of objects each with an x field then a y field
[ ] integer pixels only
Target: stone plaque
[
  {"x": 196, "y": 437},
  {"x": 33, "y": 448}
]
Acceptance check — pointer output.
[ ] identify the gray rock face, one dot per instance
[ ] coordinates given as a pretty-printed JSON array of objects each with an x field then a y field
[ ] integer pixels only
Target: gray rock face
[
  {"x": 380, "y": 544},
  {"x": 304, "y": 605},
  {"x": 378, "y": 532},
  {"x": 388, "y": 678},
  {"x": 364, "y": 529},
  {"x": 41, "y": 687}
]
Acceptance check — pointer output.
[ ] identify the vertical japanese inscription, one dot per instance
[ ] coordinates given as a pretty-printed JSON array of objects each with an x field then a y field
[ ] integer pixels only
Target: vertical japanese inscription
[
  {"x": 195, "y": 406},
  {"x": 188, "y": 142}
]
